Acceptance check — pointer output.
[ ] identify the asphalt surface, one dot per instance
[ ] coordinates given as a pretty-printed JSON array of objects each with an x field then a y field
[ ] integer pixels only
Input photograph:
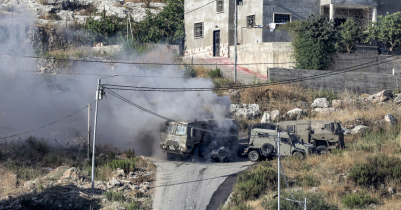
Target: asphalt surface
[{"x": 194, "y": 186}]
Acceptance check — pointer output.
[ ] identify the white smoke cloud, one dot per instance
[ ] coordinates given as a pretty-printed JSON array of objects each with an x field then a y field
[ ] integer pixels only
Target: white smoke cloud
[{"x": 29, "y": 100}]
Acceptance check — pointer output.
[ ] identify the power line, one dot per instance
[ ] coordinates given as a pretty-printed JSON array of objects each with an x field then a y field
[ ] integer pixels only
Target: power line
[
  {"x": 45, "y": 125},
  {"x": 170, "y": 64},
  {"x": 199, "y": 7},
  {"x": 122, "y": 75},
  {"x": 135, "y": 88},
  {"x": 160, "y": 116}
]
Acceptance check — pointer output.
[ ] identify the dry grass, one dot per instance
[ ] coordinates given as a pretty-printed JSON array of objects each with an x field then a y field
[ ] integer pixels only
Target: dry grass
[
  {"x": 201, "y": 71},
  {"x": 8, "y": 181},
  {"x": 49, "y": 16}
]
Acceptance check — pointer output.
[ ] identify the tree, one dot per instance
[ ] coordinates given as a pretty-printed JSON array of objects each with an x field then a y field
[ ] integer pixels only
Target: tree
[
  {"x": 388, "y": 30},
  {"x": 314, "y": 43},
  {"x": 168, "y": 25},
  {"x": 349, "y": 34},
  {"x": 108, "y": 29}
]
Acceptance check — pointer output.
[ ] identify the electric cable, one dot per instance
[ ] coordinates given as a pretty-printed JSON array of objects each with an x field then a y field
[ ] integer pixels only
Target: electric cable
[
  {"x": 47, "y": 124},
  {"x": 199, "y": 7},
  {"x": 349, "y": 69},
  {"x": 160, "y": 116},
  {"x": 165, "y": 64}
]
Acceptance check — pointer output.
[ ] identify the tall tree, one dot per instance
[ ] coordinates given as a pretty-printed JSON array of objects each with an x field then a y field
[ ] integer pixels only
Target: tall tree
[
  {"x": 388, "y": 30},
  {"x": 314, "y": 43},
  {"x": 349, "y": 34}
]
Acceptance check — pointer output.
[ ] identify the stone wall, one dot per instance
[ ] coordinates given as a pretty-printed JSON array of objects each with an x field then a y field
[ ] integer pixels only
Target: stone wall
[
  {"x": 206, "y": 51},
  {"x": 357, "y": 82},
  {"x": 268, "y": 52}
]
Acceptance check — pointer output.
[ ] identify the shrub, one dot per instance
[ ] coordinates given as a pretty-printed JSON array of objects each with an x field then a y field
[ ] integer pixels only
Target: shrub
[
  {"x": 310, "y": 181},
  {"x": 313, "y": 43},
  {"x": 115, "y": 196},
  {"x": 376, "y": 170},
  {"x": 189, "y": 72},
  {"x": 330, "y": 95},
  {"x": 253, "y": 182},
  {"x": 130, "y": 154},
  {"x": 215, "y": 73},
  {"x": 133, "y": 205},
  {"x": 359, "y": 199},
  {"x": 127, "y": 165},
  {"x": 350, "y": 33},
  {"x": 315, "y": 201}
]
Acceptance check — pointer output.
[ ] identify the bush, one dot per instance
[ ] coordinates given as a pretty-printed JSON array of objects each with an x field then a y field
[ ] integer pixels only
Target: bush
[
  {"x": 133, "y": 205},
  {"x": 189, "y": 72},
  {"x": 130, "y": 154},
  {"x": 115, "y": 196},
  {"x": 330, "y": 95},
  {"x": 127, "y": 165},
  {"x": 313, "y": 43},
  {"x": 215, "y": 73},
  {"x": 359, "y": 199},
  {"x": 253, "y": 182},
  {"x": 310, "y": 181},
  {"x": 376, "y": 170},
  {"x": 315, "y": 201}
]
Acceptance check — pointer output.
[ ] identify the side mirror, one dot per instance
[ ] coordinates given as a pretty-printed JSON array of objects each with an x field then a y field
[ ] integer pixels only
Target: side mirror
[{"x": 192, "y": 132}]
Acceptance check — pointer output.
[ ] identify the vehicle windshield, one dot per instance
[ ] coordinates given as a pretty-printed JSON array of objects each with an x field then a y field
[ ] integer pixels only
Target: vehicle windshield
[
  {"x": 293, "y": 139},
  {"x": 181, "y": 130},
  {"x": 169, "y": 128}
]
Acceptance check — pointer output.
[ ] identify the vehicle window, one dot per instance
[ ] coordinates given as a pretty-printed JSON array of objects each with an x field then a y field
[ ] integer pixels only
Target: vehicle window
[
  {"x": 181, "y": 129},
  {"x": 327, "y": 126},
  {"x": 291, "y": 129},
  {"x": 285, "y": 140},
  {"x": 169, "y": 129},
  {"x": 293, "y": 138},
  {"x": 263, "y": 134},
  {"x": 332, "y": 127}
]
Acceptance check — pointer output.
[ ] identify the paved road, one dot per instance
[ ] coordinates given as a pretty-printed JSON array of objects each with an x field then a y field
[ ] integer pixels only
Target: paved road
[
  {"x": 244, "y": 75},
  {"x": 193, "y": 186}
]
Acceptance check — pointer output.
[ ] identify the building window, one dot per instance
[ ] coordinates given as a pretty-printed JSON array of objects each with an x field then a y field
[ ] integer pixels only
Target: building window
[
  {"x": 282, "y": 18},
  {"x": 239, "y": 2},
  {"x": 198, "y": 30},
  {"x": 219, "y": 5},
  {"x": 250, "y": 21}
]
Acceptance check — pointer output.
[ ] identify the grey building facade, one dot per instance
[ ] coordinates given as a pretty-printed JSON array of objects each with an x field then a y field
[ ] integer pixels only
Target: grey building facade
[{"x": 209, "y": 26}]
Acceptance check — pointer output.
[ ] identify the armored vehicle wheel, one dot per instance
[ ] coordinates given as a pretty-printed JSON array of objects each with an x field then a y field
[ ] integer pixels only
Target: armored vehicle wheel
[
  {"x": 224, "y": 157},
  {"x": 321, "y": 150},
  {"x": 267, "y": 149},
  {"x": 299, "y": 155},
  {"x": 254, "y": 155}
]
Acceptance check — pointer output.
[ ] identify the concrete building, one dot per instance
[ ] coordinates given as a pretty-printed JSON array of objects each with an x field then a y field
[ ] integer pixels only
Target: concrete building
[{"x": 209, "y": 26}]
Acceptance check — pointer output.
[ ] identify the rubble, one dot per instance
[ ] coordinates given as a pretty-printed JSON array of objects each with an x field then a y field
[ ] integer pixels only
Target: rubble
[
  {"x": 389, "y": 118},
  {"x": 275, "y": 115},
  {"x": 295, "y": 113},
  {"x": 320, "y": 103},
  {"x": 248, "y": 111},
  {"x": 382, "y": 96},
  {"x": 265, "y": 118},
  {"x": 325, "y": 110},
  {"x": 358, "y": 129}
]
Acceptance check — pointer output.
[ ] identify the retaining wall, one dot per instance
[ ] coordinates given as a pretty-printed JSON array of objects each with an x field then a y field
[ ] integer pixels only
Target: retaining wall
[{"x": 358, "y": 82}]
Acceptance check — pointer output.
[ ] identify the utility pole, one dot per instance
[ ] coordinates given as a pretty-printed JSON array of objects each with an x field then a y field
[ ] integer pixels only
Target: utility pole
[
  {"x": 278, "y": 166},
  {"x": 104, "y": 23},
  {"x": 89, "y": 130},
  {"x": 98, "y": 97},
  {"x": 127, "y": 26},
  {"x": 235, "y": 42},
  {"x": 305, "y": 208}
]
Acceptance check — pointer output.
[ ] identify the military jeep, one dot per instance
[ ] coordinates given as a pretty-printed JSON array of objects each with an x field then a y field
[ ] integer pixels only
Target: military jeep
[{"x": 263, "y": 142}]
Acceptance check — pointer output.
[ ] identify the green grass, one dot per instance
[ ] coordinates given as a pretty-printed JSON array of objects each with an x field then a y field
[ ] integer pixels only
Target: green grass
[
  {"x": 133, "y": 205},
  {"x": 115, "y": 196},
  {"x": 358, "y": 200},
  {"x": 310, "y": 181},
  {"x": 377, "y": 170},
  {"x": 315, "y": 201},
  {"x": 127, "y": 165},
  {"x": 330, "y": 95},
  {"x": 254, "y": 182},
  {"x": 215, "y": 73}
]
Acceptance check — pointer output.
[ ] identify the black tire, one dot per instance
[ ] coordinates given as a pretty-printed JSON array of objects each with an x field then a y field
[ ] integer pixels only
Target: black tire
[
  {"x": 254, "y": 155},
  {"x": 224, "y": 157},
  {"x": 299, "y": 155},
  {"x": 267, "y": 149},
  {"x": 170, "y": 156},
  {"x": 322, "y": 150}
]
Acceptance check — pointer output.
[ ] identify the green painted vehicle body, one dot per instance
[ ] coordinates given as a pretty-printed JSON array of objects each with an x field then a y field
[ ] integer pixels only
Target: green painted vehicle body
[
  {"x": 289, "y": 143},
  {"x": 325, "y": 133},
  {"x": 183, "y": 138}
]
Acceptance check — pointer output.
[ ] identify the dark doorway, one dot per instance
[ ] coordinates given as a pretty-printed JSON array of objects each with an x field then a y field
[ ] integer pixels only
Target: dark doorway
[{"x": 216, "y": 43}]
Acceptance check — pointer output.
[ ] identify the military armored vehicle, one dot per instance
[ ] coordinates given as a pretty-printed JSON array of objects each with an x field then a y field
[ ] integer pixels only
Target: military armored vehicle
[
  {"x": 321, "y": 133},
  {"x": 205, "y": 139},
  {"x": 263, "y": 142}
]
